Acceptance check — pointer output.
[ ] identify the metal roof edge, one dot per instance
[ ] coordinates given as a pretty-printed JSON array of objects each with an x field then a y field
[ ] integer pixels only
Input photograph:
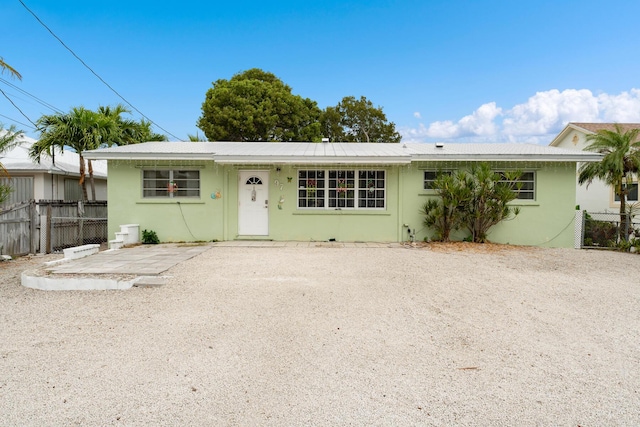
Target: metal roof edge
[
  {"x": 146, "y": 156},
  {"x": 587, "y": 157},
  {"x": 312, "y": 160}
]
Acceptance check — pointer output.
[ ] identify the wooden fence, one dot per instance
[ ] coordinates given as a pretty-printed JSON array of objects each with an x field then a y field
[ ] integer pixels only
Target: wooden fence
[
  {"x": 19, "y": 229},
  {"x": 49, "y": 225}
]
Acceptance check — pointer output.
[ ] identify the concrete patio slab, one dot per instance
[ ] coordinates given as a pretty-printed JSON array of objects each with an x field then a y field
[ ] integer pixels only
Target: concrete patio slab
[{"x": 144, "y": 260}]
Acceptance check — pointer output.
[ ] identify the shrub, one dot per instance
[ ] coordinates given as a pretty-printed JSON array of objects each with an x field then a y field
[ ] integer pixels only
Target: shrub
[
  {"x": 149, "y": 237},
  {"x": 444, "y": 214},
  {"x": 476, "y": 200}
]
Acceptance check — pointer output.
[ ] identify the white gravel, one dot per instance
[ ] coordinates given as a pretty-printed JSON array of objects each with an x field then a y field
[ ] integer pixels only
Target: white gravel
[{"x": 443, "y": 335}]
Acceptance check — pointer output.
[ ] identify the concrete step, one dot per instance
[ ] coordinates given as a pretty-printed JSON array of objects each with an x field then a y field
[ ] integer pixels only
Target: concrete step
[{"x": 116, "y": 244}]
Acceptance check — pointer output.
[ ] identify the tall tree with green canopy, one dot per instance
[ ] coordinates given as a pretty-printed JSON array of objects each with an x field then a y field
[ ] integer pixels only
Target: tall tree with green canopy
[
  {"x": 257, "y": 106},
  {"x": 618, "y": 167},
  {"x": 357, "y": 120}
]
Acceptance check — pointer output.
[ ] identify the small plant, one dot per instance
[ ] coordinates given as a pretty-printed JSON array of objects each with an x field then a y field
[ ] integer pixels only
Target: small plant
[{"x": 149, "y": 237}]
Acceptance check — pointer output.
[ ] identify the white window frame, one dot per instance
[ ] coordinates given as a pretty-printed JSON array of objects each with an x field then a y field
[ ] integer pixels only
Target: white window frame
[
  {"x": 338, "y": 189},
  {"x": 427, "y": 183},
  {"x": 174, "y": 186},
  {"x": 634, "y": 185},
  {"x": 527, "y": 191}
]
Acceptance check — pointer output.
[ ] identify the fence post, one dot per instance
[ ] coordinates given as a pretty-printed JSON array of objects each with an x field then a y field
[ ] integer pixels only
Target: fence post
[
  {"x": 80, "y": 223},
  {"x": 48, "y": 229},
  {"x": 578, "y": 234},
  {"x": 32, "y": 227}
]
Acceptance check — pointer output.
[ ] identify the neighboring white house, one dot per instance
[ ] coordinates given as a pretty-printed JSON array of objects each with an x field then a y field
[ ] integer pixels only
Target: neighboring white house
[
  {"x": 54, "y": 178},
  {"x": 598, "y": 196}
]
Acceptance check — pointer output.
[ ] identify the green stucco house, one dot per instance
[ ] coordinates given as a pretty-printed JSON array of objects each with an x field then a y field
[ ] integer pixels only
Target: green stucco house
[{"x": 202, "y": 191}]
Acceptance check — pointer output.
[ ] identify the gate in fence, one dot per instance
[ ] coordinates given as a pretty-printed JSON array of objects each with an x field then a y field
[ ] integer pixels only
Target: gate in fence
[{"x": 50, "y": 226}]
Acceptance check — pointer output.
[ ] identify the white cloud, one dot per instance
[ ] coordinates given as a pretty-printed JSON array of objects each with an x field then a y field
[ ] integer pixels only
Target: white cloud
[
  {"x": 550, "y": 111},
  {"x": 620, "y": 108},
  {"x": 417, "y": 115},
  {"x": 480, "y": 123},
  {"x": 537, "y": 120}
]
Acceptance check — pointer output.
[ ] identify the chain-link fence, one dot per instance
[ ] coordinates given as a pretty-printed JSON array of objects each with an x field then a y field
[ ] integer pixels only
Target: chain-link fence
[
  {"x": 602, "y": 229},
  {"x": 67, "y": 232}
]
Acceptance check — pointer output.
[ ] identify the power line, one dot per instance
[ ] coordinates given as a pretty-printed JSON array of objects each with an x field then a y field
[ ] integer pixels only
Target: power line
[
  {"x": 38, "y": 100},
  {"x": 94, "y": 73},
  {"x": 16, "y": 121},
  {"x": 18, "y": 108}
]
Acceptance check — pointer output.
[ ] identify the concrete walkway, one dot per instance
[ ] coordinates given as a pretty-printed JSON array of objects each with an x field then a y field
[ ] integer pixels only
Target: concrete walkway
[{"x": 145, "y": 260}]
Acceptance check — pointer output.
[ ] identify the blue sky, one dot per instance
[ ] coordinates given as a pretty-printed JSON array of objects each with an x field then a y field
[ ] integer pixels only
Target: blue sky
[{"x": 448, "y": 70}]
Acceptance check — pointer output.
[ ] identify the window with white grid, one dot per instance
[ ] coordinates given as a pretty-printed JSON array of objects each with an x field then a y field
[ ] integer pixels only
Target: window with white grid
[
  {"x": 311, "y": 189},
  {"x": 524, "y": 186},
  {"x": 342, "y": 189},
  {"x": 170, "y": 183}
]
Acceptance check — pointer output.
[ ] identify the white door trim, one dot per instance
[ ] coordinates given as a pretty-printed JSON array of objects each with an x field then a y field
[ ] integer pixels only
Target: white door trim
[{"x": 253, "y": 203}]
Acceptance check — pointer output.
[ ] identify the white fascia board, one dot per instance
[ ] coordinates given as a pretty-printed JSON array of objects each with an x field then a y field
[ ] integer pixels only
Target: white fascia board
[
  {"x": 567, "y": 129},
  {"x": 147, "y": 156},
  {"x": 591, "y": 157},
  {"x": 351, "y": 160}
]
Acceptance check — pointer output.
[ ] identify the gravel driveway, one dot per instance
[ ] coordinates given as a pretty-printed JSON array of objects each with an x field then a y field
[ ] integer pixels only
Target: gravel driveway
[{"x": 441, "y": 335}]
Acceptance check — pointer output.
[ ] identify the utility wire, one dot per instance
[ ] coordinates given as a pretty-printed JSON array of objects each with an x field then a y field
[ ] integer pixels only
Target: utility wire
[
  {"x": 94, "y": 73},
  {"x": 38, "y": 100},
  {"x": 16, "y": 121},
  {"x": 18, "y": 108}
]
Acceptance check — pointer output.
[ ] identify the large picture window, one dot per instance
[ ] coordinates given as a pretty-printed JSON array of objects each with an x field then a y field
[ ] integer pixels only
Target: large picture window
[
  {"x": 170, "y": 183},
  {"x": 342, "y": 189}
]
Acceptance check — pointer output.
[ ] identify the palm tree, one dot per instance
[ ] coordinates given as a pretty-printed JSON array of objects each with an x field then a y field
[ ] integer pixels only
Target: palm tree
[
  {"x": 8, "y": 140},
  {"x": 80, "y": 130},
  {"x": 6, "y": 67},
  {"x": 8, "y": 137},
  {"x": 618, "y": 167},
  {"x": 83, "y": 130}
]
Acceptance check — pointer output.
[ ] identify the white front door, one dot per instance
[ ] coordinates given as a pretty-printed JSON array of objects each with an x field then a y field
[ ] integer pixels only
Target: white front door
[{"x": 253, "y": 203}]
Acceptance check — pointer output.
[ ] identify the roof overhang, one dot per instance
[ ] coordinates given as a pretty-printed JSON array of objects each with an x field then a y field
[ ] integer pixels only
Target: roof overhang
[
  {"x": 300, "y": 160},
  {"x": 564, "y": 132},
  {"x": 337, "y": 153},
  {"x": 578, "y": 157},
  {"x": 100, "y": 155}
]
